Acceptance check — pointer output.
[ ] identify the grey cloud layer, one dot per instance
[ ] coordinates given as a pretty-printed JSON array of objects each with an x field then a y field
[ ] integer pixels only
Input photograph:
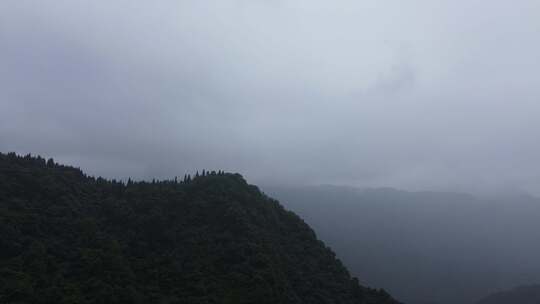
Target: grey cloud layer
[{"x": 418, "y": 95}]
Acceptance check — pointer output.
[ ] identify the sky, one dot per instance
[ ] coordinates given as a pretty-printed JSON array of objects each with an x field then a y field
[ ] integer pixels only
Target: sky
[{"x": 417, "y": 95}]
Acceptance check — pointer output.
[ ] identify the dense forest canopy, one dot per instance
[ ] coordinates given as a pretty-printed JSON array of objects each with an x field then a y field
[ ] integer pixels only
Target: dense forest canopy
[{"x": 212, "y": 238}]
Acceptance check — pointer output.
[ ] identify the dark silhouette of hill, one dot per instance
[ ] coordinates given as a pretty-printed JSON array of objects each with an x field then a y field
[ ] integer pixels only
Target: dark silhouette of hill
[
  {"x": 425, "y": 247},
  {"x": 520, "y": 295},
  {"x": 212, "y": 238}
]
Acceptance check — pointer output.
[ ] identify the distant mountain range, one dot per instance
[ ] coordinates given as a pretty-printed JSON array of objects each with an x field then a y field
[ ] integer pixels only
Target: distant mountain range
[
  {"x": 425, "y": 247},
  {"x": 520, "y": 295}
]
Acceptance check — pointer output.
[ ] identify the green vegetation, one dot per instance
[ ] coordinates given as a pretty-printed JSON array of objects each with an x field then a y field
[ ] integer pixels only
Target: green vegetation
[{"x": 70, "y": 238}]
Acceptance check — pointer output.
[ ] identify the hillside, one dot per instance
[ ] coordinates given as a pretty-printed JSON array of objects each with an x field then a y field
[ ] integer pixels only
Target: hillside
[
  {"x": 425, "y": 247},
  {"x": 523, "y": 295},
  {"x": 71, "y": 238}
]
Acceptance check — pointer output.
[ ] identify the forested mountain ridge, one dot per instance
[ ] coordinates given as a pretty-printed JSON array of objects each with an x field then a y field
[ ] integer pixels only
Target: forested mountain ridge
[{"x": 71, "y": 238}]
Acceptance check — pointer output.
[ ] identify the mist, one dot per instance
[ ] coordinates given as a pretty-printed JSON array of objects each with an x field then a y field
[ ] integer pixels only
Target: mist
[
  {"x": 426, "y": 247},
  {"x": 417, "y": 95}
]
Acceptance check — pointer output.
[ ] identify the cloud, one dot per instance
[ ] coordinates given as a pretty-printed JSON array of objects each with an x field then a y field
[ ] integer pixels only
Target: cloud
[{"x": 372, "y": 93}]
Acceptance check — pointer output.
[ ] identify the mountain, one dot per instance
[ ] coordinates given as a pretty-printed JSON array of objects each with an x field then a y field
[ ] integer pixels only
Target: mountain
[
  {"x": 213, "y": 238},
  {"x": 425, "y": 247},
  {"x": 523, "y": 295}
]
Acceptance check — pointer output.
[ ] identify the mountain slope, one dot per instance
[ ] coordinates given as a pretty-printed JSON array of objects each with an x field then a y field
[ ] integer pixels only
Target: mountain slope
[{"x": 70, "y": 238}]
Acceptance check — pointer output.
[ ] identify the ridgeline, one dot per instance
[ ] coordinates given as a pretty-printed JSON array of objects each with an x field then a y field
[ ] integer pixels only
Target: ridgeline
[{"x": 70, "y": 238}]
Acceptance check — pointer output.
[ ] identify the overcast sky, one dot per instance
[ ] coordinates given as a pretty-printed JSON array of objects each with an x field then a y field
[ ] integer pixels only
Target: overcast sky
[{"x": 419, "y": 94}]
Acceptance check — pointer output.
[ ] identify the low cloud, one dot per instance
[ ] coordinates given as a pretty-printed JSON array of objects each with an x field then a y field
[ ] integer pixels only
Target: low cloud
[{"x": 367, "y": 94}]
